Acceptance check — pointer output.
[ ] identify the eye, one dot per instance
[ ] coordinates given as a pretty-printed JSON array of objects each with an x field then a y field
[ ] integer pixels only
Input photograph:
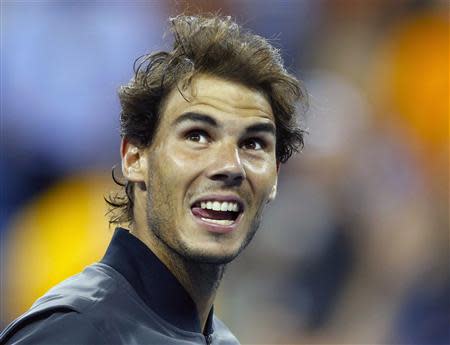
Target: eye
[
  {"x": 198, "y": 136},
  {"x": 253, "y": 144}
]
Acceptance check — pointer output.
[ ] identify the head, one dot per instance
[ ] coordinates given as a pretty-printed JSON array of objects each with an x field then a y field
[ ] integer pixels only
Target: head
[{"x": 205, "y": 125}]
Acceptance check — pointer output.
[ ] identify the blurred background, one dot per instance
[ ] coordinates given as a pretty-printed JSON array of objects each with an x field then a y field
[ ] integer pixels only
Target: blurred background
[{"x": 355, "y": 250}]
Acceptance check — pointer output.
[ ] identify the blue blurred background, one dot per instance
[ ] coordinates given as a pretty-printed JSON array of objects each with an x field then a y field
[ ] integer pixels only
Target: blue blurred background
[{"x": 354, "y": 250}]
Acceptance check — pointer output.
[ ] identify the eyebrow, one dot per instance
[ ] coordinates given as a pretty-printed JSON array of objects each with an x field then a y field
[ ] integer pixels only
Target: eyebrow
[
  {"x": 197, "y": 117},
  {"x": 261, "y": 127}
]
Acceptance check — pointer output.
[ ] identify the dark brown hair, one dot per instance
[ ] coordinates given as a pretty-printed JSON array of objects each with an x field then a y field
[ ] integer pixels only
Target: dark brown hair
[{"x": 211, "y": 45}]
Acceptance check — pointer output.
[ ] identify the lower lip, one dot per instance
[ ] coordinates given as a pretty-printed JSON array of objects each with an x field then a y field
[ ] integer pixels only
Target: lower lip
[{"x": 217, "y": 228}]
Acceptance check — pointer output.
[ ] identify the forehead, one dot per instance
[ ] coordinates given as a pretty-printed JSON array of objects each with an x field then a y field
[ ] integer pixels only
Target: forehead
[{"x": 217, "y": 97}]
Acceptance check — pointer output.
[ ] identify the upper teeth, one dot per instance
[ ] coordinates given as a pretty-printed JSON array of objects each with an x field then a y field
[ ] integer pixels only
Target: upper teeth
[{"x": 220, "y": 206}]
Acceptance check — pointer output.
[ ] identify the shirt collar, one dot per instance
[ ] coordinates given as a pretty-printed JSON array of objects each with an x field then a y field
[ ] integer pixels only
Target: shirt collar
[{"x": 153, "y": 282}]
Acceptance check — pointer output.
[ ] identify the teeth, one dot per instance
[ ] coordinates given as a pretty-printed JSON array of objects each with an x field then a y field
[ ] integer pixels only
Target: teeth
[
  {"x": 224, "y": 206},
  {"x": 217, "y": 221},
  {"x": 220, "y": 206},
  {"x": 216, "y": 206}
]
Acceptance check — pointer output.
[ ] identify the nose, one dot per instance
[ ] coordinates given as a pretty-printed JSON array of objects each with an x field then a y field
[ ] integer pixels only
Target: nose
[{"x": 228, "y": 166}]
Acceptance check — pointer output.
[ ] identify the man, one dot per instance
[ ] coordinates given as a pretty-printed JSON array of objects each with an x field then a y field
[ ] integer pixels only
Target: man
[{"x": 204, "y": 130}]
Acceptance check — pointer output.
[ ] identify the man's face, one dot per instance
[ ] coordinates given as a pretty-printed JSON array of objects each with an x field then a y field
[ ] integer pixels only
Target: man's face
[{"x": 211, "y": 169}]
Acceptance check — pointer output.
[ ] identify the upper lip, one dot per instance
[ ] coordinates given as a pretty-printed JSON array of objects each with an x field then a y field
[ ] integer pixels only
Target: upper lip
[{"x": 221, "y": 198}]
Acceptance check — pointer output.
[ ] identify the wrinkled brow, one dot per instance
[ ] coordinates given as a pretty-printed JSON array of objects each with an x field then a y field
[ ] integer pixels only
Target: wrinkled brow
[{"x": 197, "y": 117}]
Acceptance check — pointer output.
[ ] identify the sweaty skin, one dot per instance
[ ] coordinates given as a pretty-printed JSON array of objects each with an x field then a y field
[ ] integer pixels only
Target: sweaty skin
[{"x": 191, "y": 158}]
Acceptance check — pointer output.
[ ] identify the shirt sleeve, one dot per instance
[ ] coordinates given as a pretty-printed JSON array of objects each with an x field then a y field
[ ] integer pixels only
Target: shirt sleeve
[{"x": 62, "y": 328}]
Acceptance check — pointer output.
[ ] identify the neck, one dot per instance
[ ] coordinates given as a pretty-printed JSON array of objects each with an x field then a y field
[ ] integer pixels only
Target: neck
[{"x": 200, "y": 280}]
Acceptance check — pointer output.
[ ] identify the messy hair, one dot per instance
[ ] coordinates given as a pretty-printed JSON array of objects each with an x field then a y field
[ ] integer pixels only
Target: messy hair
[{"x": 211, "y": 45}]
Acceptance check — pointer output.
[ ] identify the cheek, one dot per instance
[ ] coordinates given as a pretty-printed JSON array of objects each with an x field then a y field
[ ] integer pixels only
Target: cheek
[
  {"x": 179, "y": 158},
  {"x": 261, "y": 167},
  {"x": 178, "y": 166},
  {"x": 184, "y": 163},
  {"x": 262, "y": 175}
]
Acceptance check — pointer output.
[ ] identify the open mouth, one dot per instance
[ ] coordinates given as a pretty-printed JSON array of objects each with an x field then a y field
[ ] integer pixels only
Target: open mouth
[{"x": 224, "y": 213}]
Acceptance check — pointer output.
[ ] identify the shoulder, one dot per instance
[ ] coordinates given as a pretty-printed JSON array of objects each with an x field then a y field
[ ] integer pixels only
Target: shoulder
[
  {"x": 64, "y": 315},
  {"x": 95, "y": 283},
  {"x": 58, "y": 326}
]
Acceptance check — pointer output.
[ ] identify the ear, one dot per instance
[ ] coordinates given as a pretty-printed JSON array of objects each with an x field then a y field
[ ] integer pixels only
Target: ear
[
  {"x": 273, "y": 192},
  {"x": 134, "y": 162}
]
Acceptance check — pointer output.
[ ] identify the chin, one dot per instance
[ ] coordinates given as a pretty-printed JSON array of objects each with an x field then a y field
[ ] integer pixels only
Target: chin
[
  {"x": 212, "y": 252},
  {"x": 211, "y": 259},
  {"x": 211, "y": 256}
]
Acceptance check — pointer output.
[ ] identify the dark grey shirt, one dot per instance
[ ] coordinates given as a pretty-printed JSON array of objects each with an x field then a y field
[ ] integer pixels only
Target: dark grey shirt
[{"x": 130, "y": 297}]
